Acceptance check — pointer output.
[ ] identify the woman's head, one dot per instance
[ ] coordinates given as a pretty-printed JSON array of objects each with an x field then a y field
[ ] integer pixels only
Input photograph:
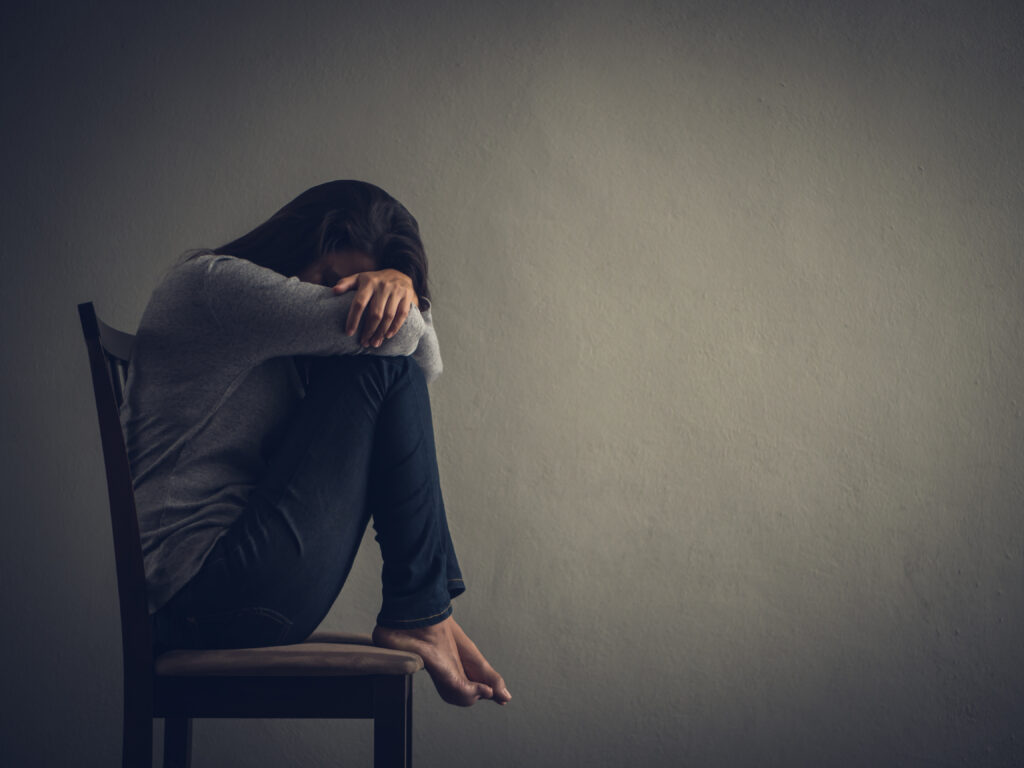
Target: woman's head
[{"x": 339, "y": 216}]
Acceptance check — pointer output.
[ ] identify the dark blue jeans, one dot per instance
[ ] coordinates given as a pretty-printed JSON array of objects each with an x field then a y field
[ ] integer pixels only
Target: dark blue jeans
[{"x": 359, "y": 445}]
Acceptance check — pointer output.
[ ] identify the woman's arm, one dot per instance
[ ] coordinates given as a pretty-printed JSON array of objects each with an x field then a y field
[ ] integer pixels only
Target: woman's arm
[{"x": 264, "y": 314}]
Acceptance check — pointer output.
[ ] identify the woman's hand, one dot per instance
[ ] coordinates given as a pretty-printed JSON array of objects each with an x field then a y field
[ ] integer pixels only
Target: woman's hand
[{"x": 382, "y": 302}]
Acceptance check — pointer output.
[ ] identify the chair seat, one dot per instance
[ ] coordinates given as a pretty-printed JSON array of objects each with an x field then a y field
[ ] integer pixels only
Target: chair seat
[{"x": 330, "y": 654}]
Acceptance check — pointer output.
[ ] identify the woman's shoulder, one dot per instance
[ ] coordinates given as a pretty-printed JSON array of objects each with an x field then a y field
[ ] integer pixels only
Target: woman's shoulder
[
  {"x": 204, "y": 261},
  {"x": 220, "y": 272},
  {"x": 184, "y": 292},
  {"x": 191, "y": 267}
]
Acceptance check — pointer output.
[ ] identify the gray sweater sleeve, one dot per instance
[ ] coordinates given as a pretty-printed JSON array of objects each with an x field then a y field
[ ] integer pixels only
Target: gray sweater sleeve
[
  {"x": 427, "y": 353},
  {"x": 264, "y": 314}
]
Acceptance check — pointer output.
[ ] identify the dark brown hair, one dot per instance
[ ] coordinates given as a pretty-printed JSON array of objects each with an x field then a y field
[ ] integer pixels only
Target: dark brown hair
[{"x": 337, "y": 216}]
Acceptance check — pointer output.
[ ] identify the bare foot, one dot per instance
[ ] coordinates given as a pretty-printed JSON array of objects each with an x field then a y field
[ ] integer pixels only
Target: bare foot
[
  {"x": 437, "y": 647},
  {"x": 460, "y": 672},
  {"x": 476, "y": 666}
]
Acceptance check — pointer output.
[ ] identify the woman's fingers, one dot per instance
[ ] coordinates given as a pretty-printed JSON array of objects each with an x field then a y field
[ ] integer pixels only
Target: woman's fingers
[
  {"x": 381, "y": 304},
  {"x": 400, "y": 317},
  {"x": 364, "y": 294},
  {"x": 346, "y": 284},
  {"x": 384, "y": 321}
]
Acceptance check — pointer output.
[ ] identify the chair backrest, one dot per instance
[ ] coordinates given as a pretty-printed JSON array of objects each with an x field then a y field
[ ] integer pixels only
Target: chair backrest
[{"x": 109, "y": 354}]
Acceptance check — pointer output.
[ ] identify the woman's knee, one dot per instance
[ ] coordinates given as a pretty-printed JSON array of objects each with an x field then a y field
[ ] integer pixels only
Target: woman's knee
[
  {"x": 349, "y": 365},
  {"x": 373, "y": 375}
]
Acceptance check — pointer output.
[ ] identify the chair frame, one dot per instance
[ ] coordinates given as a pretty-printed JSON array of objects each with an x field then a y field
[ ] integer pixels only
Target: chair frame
[{"x": 384, "y": 698}]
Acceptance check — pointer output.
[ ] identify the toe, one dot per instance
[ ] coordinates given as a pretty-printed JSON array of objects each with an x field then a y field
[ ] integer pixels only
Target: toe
[
  {"x": 501, "y": 692},
  {"x": 484, "y": 691}
]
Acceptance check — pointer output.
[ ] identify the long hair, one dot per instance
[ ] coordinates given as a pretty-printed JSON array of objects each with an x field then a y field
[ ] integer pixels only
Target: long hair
[{"x": 336, "y": 216}]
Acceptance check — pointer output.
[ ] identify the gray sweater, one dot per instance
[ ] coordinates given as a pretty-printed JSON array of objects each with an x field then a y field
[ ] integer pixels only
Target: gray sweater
[{"x": 209, "y": 392}]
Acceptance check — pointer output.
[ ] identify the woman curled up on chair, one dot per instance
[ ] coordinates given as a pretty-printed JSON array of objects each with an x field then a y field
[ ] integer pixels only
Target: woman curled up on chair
[{"x": 276, "y": 402}]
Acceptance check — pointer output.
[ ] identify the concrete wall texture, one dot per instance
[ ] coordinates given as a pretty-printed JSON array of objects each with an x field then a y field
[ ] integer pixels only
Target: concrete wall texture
[{"x": 731, "y": 300}]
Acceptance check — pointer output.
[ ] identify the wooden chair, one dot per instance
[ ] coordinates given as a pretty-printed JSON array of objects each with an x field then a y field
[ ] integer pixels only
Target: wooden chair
[{"x": 329, "y": 675}]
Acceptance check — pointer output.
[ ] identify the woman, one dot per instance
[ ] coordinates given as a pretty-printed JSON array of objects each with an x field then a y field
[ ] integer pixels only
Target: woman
[{"x": 276, "y": 401}]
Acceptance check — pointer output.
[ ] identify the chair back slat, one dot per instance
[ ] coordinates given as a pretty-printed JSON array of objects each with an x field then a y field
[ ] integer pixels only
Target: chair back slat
[
  {"x": 117, "y": 344},
  {"x": 109, "y": 356}
]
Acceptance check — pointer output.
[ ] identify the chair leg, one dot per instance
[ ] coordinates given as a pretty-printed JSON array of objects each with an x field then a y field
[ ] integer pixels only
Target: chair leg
[
  {"x": 408, "y": 722},
  {"x": 137, "y": 739},
  {"x": 392, "y": 722},
  {"x": 177, "y": 742}
]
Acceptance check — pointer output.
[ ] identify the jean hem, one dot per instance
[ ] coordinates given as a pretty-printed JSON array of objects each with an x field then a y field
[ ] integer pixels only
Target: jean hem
[{"x": 423, "y": 621}]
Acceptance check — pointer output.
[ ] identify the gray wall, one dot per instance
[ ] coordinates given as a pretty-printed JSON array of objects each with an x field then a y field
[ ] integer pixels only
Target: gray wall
[{"x": 731, "y": 300}]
